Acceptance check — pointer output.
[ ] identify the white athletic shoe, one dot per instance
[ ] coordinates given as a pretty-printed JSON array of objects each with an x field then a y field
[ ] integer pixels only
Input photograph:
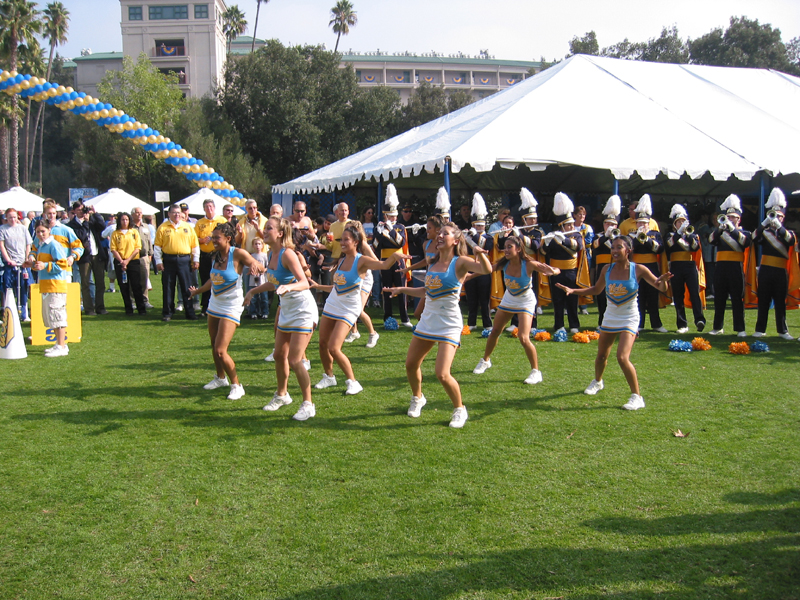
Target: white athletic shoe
[
  {"x": 786, "y": 336},
  {"x": 407, "y": 324},
  {"x": 573, "y": 331},
  {"x": 663, "y": 329},
  {"x": 326, "y": 381},
  {"x": 716, "y": 332},
  {"x": 353, "y": 387},
  {"x": 179, "y": 307},
  {"x": 307, "y": 364},
  {"x": 415, "y": 408},
  {"x": 510, "y": 329},
  {"x": 482, "y": 366},
  {"x": 535, "y": 377},
  {"x": 278, "y": 401},
  {"x": 271, "y": 357},
  {"x": 538, "y": 310},
  {"x": 741, "y": 334},
  {"x": 352, "y": 337},
  {"x": 459, "y": 417},
  {"x": 57, "y": 351},
  {"x": 237, "y": 391},
  {"x": 560, "y": 329},
  {"x": 634, "y": 403},
  {"x": 215, "y": 383},
  {"x": 759, "y": 334},
  {"x": 682, "y": 330},
  {"x": 307, "y": 410},
  {"x": 373, "y": 340},
  {"x": 594, "y": 387}
]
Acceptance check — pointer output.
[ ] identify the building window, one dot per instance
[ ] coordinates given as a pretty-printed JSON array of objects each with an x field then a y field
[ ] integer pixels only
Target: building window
[
  {"x": 134, "y": 13},
  {"x": 162, "y": 13},
  {"x": 170, "y": 47},
  {"x": 201, "y": 11}
]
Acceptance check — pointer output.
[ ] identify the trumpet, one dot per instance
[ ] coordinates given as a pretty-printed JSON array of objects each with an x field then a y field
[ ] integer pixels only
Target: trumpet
[
  {"x": 614, "y": 234},
  {"x": 723, "y": 220},
  {"x": 642, "y": 237},
  {"x": 772, "y": 215},
  {"x": 689, "y": 230}
]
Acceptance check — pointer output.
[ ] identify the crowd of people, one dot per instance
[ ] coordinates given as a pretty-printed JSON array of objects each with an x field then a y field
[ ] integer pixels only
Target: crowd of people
[{"x": 223, "y": 266}]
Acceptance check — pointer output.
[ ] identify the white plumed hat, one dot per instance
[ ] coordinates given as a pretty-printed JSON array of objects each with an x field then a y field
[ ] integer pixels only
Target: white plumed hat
[
  {"x": 443, "y": 202},
  {"x": 678, "y": 212},
  {"x": 613, "y": 208},
  {"x": 529, "y": 203},
  {"x": 644, "y": 209},
  {"x": 391, "y": 201},
  {"x": 562, "y": 208},
  {"x": 732, "y": 205},
  {"x": 777, "y": 201},
  {"x": 479, "y": 211}
]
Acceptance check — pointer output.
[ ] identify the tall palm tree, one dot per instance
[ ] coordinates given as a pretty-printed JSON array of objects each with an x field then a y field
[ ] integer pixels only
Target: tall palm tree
[
  {"x": 343, "y": 17},
  {"x": 233, "y": 24},
  {"x": 255, "y": 27},
  {"x": 30, "y": 59},
  {"x": 56, "y": 24},
  {"x": 18, "y": 24}
]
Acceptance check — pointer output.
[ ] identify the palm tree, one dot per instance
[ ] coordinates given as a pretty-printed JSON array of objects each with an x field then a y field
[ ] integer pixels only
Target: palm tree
[
  {"x": 255, "y": 27},
  {"x": 56, "y": 24},
  {"x": 19, "y": 24},
  {"x": 343, "y": 17},
  {"x": 233, "y": 24},
  {"x": 30, "y": 59}
]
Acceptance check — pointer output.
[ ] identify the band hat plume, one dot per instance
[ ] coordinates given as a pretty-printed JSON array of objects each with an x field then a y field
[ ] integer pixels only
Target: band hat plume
[
  {"x": 391, "y": 202},
  {"x": 678, "y": 212},
  {"x": 479, "y": 211},
  {"x": 612, "y": 209},
  {"x": 562, "y": 208},
  {"x": 777, "y": 201},
  {"x": 443, "y": 202},
  {"x": 732, "y": 205},
  {"x": 529, "y": 203},
  {"x": 644, "y": 209}
]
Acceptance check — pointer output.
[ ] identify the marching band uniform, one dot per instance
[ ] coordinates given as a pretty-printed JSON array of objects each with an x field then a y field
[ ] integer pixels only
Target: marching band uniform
[
  {"x": 646, "y": 253},
  {"x": 602, "y": 249},
  {"x": 731, "y": 243},
  {"x": 478, "y": 288},
  {"x": 531, "y": 236},
  {"x": 390, "y": 237},
  {"x": 681, "y": 249}
]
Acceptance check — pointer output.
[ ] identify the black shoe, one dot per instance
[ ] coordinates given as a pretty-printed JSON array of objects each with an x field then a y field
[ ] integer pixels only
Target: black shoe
[
  {"x": 90, "y": 314},
  {"x": 102, "y": 311},
  {"x": 191, "y": 318},
  {"x": 700, "y": 325},
  {"x": 129, "y": 313},
  {"x": 166, "y": 318}
]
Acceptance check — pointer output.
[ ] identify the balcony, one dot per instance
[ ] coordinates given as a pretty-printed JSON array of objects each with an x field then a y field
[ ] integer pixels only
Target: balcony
[{"x": 170, "y": 51}]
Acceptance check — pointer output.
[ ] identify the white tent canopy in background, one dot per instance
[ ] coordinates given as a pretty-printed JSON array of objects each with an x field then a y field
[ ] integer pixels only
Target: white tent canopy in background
[
  {"x": 116, "y": 200},
  {"x": 195, "y": 202},
  {"x": 21, "y": 199},
  {"x": 622, "y": 116}
]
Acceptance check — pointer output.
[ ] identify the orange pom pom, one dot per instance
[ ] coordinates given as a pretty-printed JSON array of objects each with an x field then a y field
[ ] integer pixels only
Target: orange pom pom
[
  {"x": 739, "y": 348},
  {"x": 699, "y": 343},
  {"x": 515, "y": 333},
  {"x": 593, "y": 335},
  {"x": 542, "y": 336},
  {"x": 466, "y": 330},
  {"x": 580, "y": 338}
]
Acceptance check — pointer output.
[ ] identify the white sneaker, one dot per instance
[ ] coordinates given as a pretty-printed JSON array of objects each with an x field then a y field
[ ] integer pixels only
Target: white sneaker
[
  {"x": 373, "y": 340},
  {"x": 482, "y": 366},
  {"x": 326, "y": 381},
  {"x": 407, "y": 324},
  {"x": 352, "y": 337},
  {"x": 535, "y": 377},
  {"x": 215, "y": 383},
  {"x": 759, "y": 334},
  {"x": 741, "y": 334},
  {"x": 307, "y": 410},
  {"x": 538, "y": 310},
  {"x": 573, "y": 331},
  {"x": 307, "y": 364},
  {"x": 415, "y": 408},
  {"x": 278, "y": 401},
  {"x": 682, "y": 330},
  {"x": 716, "y": 332},
  {"x": 271, "y": 357},
  {"x": 663, "y": 329},
  {"x": 237, "y": 391},
  {"x": 594, "y": 387},
  {"x": 560, "y": 329},
  {"x": 459, "y": 417},
  {"x": 353, "y": 387},
  {"x": 57, "y": 351},
  {"x": 473, "y": 327},
  {"x": 634, "y": 403},
  {"x": 26, "y": 320},
  {"x": 786, "y": 336},
  {"x": 179, "y": 307},
  {"x": 197, "y": 306},
  {"x": 510, "y": 329}
]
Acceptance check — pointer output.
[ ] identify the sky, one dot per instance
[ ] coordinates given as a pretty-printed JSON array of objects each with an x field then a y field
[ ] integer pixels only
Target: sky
[{"x": 508, "y": 29}]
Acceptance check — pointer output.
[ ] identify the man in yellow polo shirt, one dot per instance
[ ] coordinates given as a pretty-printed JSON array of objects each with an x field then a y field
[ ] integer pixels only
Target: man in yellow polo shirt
[
  {"x": 334, "y": 240},
  {"x": 203, "y": 229},
  {"x": 177, "y": 253}
]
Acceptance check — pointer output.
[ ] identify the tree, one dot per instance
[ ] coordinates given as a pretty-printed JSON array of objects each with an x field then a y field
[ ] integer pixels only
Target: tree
[
  {"x": 233, "y": 24},
  {"x": 19, "y": 24},
  {"x": 459, "y": 99},
  {"x": 343, "y": 17},
  {"x": 793, "y": 53},
  {"x": 585, "y": 45},
  {"x": 666, "y": 48},
  {"x": 30, "y": 60},
  {"x": 426, "y": 103},
  {"x": 255, "y": 26},
  {"x": 374, "y": 116}
]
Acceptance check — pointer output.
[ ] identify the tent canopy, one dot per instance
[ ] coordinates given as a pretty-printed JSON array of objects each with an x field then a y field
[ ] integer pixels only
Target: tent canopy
[
  {"x": 195, "y": 202},
  {"x": 626, "y": 120},
  {"x": 116, "y": 200},
  {"x": 21, "y": 199}
]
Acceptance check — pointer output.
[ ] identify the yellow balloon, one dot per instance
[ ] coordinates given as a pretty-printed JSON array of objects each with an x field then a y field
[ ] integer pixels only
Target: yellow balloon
[
  {"x": 69, "y": 104},
  {"x": 195, "y": 169},
  {"x": 189, "y": 155},
  {"x": 159, "y": 139},
  {"x": 182, "y": 153},
  {"x": 215, "y": 185},
  {"x": 151, "y": 139},
  {"x": 104, "y": 113},
  {"x": 4, "y": 75},
  {"x": 210, "y": 170},
  {"x": 186, "y": 169},
  {"x": 60, "y": 90},
  {"x": 25, "y": 84},
  {"x": 173, "y": 153},
  {"x": 94, "y": 115},
  {"x": 78, "y": 101},
  {"x": 16, "y": 88},
  {"x": 52, "y": 92}
]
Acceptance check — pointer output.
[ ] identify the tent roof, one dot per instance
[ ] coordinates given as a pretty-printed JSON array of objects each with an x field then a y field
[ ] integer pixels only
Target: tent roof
[
  {"x": 196, "y": 200},
  {"x": 116, "y": 200},
  {"x": 20, "y": 199},
  {"x": 630, "y": 119}
]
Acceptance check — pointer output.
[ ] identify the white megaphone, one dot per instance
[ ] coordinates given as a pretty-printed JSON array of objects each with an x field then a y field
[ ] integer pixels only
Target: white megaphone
[{"x": 12, "y": 342}]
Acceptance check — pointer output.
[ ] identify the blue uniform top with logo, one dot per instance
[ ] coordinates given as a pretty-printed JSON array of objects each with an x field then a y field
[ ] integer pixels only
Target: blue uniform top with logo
[{"x": 441, "y": 319}]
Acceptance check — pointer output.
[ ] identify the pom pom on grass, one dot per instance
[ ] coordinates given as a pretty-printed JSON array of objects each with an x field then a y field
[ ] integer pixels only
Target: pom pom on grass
[
  {"x": 739, "y": 348},
  {"x": 699, "y": 343},
  {"x": 542, "y": 336}
]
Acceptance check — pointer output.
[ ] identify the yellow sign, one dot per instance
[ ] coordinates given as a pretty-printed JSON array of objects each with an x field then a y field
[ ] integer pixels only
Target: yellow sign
[{"x": 41, "y": 335}]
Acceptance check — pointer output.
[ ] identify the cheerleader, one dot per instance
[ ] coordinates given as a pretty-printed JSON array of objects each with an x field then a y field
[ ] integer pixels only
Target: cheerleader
[
  {"x": 226, "y": 304},
  {"x": 297, "y": 318},
  {"x": 620, "y": 280},
  {"x": 519, "y": 300},
  {"x": 442, "y": 322},
  {"x": 432, "y": 228},
  {"x": 343, "y": 307},
  {"x": 367, "y": 283},
  {"x": 602, "y": 248}
]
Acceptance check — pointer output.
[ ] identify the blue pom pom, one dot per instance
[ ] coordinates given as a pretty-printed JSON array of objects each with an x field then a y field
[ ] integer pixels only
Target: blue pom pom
[
  {"x": 485, "y": 333},
  {"x": 680, "y": 346},
  {"x": 759, "y": 347},
  {"x": 390, "y": 324},
  {"x": 560, "y": 336}
]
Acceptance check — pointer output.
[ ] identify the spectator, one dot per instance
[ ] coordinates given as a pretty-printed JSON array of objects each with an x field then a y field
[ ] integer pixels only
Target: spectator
[
  {"x": 145, "y": 255},
  {"x": 259, "y": 305},
  {"x": 88, "y": 227},
  {"x": 125, "y": 246},
  {"x": 15, "y": 245},
  {"x": 177, "y": 255}
]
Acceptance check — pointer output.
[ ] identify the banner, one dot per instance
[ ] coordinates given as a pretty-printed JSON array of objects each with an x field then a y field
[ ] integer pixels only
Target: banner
[{"x": 41, "y": 335}]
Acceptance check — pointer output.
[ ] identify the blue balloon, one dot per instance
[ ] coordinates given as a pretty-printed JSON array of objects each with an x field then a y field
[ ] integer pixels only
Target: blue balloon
[
  {"x": 184, "y": 161},
  {"x": 37, "y": 89},
  {"x": 73, "y": 95},
  {"x": 171, "y": 146},
  {"x": 81, "y": 95},
  {"x": 205, "y": 176},
  {"x": 19, "y": 78},
  {"x": 107, "y": 106},
  {"x": 155, "y": 132},
  {"x": 27, "y": 77},
  {"x": 192, "y": 161},
  {"x": 199, "y": 162},
  {"x": 178, "y": 147},
  {"x": 148, "y": 132}
]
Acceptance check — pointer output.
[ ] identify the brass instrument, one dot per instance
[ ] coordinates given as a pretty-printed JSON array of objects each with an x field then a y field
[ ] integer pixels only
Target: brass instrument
[
  {"x": 723, "y": 220},
  {"x": 614, "y": 234},
  {"x": 689, "y": 230},
  {"x": 642, "y": 237},
  {"x": 773, "y": 214}
]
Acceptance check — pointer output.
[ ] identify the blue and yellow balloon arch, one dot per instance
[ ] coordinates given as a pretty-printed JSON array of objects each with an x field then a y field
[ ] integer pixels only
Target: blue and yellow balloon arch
[{"x": 116, "y": 121}]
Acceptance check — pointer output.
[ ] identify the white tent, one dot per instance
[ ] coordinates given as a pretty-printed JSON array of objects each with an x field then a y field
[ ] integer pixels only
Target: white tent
[
  {"x": 623, "y": 117},
  {"x": 21, "y": 199},
  {"x": 195, "y": 202},
  {"x": 116, "y": 200}
]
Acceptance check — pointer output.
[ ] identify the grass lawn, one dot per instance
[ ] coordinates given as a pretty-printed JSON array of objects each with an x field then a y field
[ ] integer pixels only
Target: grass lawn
[{"x": 120, "y": 477}]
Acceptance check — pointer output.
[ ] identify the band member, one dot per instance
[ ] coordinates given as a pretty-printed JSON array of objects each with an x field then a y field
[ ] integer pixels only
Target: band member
[
  {"x": 564, "y": 251},
  {"x": 531, "y": 235},
  {"x": 620, "y": 280},
  {"x": 390, "y": 237},
  {"x": 685, "y": 258},
  {"x": 732, "y": 243},
  {"x": 443, "y": 205},
  {"x": 647, "y": 250},
  {"x": 778, "y": 272},
  {"x": 478, "y": 288},
  {"x": 602, "y": 248}
]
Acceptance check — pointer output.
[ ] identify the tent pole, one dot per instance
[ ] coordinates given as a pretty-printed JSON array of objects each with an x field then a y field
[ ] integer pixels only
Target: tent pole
[
  {"x": 380, "y": 196},
  {"x": 763, "y": 196},
  {"x": 616, "y": 187},
  {"x": 447, "y": 182}
]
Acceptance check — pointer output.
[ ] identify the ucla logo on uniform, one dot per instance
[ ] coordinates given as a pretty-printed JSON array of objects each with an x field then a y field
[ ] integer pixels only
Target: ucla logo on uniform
[
  {"x": 433, "y": 282},
  {"x": 617, "y": 290},
  {"x": 271, "y": 279},
  {"x": 512, "y": 284},
  {"x": 217, "y": 279},
  {"x": 339, "y": 279}
]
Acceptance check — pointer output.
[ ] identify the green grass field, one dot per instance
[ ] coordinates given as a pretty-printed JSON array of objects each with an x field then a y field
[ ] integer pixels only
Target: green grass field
[{"x": 122, "y": 478}]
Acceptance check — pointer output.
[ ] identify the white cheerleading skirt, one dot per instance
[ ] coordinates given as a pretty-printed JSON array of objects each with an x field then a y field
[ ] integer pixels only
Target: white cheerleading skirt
[
  {"x": 299, "y": 313},
  {"x": 441, "y": 321},
  {"x": 524, "y": 303},
  {"x": 619, "y": 318},
  {"x": 228, "y": 305},
  {"x": 343, "y": 307},
  {"x": 367, "y": 282}
]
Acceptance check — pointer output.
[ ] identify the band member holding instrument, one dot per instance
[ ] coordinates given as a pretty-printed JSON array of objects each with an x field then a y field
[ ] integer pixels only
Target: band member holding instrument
[
  {"x": 390, "y": 237},
  {"x": 684, "y": 253},
  {"x": 478, "y": 288},
  {"x": 602, "y": 248},
  {"x": 647, "y": 248}
]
